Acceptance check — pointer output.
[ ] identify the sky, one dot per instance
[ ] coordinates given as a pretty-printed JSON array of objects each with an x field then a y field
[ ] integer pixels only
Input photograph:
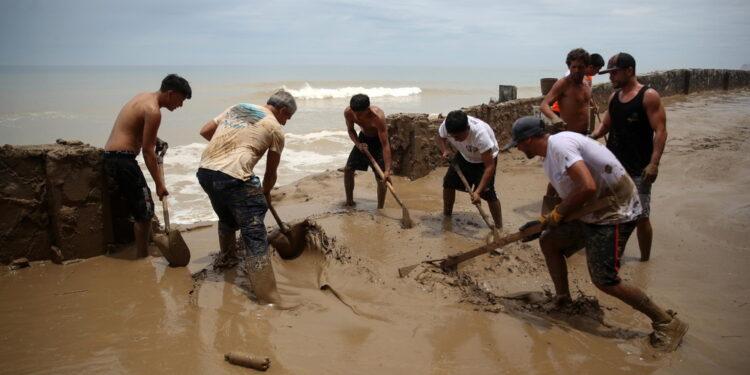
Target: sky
[{"x": 534, "y": 33}]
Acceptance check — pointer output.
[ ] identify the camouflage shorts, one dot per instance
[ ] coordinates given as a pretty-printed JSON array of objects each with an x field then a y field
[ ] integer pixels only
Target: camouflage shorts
[{"x": 604, "y": 247}]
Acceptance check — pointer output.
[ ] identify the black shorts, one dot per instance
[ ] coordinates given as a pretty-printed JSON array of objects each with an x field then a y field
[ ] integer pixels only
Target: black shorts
[
  {"x": 359, "y": 161},
  {"x": 122, "y": 167},
  {"x": 473, "y": 173}
]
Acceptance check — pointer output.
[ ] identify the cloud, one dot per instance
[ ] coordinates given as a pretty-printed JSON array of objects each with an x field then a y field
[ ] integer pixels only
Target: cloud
[{"x": 638, "y": 11}]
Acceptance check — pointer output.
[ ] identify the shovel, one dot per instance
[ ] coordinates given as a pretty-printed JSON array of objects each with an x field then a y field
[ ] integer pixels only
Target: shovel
[
  {"x": 289, "y": 243},
  {"x": 176, "y": 251},
  {"x": 453, "y": 260},
  {"x": 405, "y": 217},
  {"x": 495, "y": 233}
]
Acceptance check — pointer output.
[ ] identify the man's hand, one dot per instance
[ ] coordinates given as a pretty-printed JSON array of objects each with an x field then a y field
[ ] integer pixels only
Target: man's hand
[
  {"x": 552, "y": 220},
  {"x": 559, "y": 124},
  {"x": 386, "y": 175},
  {"x": 527, "y": 226},
  {"x": 475, "y": 198},
  {"x": 648, "y": 176},
  {"x": 446, "y": 155},
  {"x": 161, "y": 192},
  {"x": 362, "y": 146}
]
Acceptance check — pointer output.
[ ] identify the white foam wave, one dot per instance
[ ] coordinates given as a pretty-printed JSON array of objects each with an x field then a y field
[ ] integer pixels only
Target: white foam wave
[
  {"x": 309, "y": 92},
  {"x": 338, "y": 136}
]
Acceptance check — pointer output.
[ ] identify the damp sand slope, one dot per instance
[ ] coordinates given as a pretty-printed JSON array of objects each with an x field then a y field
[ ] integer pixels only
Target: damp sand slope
[{"x": 112, "y": 314}]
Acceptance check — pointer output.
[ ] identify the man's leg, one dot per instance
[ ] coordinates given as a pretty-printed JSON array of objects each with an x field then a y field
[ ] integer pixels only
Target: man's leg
[
  {"x": 636, "y": 299},
  {"x": 449, "y": 197},
  {"x": 349, "y": 185},
  {"x": 645, "y": 235},
  {"x": 557, "y": 267},
  {"x": 497, "y": 213},
  {"x": 142, "y": 231}
]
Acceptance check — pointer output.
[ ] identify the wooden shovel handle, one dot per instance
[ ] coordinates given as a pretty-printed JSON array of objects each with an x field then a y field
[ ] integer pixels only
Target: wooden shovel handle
[
  {"x": 278, "y": 219},
  {"x": 453, "y": 260},
  {"x": 468, "y": 189},
  {"x": 382, "y": 176},
  {"x": 164, "y": 206}
]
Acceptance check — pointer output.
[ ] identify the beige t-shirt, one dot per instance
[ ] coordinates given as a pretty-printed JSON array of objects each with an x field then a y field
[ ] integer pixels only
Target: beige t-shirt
[{"x": 243, "y": 134}]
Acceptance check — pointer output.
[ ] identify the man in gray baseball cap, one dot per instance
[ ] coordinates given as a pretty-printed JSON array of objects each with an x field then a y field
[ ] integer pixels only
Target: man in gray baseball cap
[{"x": 582, "y": 170}]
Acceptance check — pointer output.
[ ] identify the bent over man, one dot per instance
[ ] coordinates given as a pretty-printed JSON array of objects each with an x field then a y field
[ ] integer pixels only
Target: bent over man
[
  {"x": 238, "y": 138},
  {"x": 476, "y": 157},
  {"x": 134, "y": 131},
  {"x": 373, "y": 137},
  {"x": 583, "y": 170}
]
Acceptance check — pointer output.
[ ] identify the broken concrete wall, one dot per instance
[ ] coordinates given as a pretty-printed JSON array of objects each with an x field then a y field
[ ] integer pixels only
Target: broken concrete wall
[
  {"x": 55, "y": 203},
  {"x": 412, "y": 135}
]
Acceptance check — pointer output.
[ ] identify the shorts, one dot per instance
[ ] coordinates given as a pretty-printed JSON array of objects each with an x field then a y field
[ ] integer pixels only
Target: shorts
[
  {"x": 473, "y": 173},
  {"x": 644, "y": 194},
  {"x": 604, "y": 246},
  {"x": 359, "y": 161},
  {"x": 239, "y": 205},
  {"x": 124, "y": 170}
]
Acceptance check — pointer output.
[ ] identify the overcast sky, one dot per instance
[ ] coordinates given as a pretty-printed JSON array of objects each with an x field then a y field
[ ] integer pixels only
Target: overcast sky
[{"x": 660, "y": 34}]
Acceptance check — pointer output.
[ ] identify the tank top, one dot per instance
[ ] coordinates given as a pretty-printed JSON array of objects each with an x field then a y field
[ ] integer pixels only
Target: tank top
[{"x": 631, "y": 136}]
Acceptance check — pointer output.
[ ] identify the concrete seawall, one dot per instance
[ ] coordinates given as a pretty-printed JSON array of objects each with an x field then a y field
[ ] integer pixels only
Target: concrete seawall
[{"x": 412, "y": 135}]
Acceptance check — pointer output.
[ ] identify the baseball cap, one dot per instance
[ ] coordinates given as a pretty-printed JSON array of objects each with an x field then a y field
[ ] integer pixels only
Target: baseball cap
[
  {"x": 525, "y": 127},
  {"x": 621, "y": 60}
]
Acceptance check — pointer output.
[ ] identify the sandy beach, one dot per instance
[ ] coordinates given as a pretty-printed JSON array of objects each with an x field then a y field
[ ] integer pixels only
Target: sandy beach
[{"x": 116, "y": 314}]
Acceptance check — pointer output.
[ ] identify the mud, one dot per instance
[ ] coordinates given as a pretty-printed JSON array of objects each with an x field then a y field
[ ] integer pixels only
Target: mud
[{"x": 492, "y": 315}]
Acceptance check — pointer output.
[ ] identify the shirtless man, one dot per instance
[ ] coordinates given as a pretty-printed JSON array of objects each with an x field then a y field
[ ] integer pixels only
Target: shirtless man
[
  {"x": 573, "y": 95},
  {"x": 135, "y": 130},
  {"x": 373, "y": 137}
]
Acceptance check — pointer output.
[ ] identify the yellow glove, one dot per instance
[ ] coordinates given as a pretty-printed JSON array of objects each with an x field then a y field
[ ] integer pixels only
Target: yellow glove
[
  {"x": 649, "y": 173},
  {"x": 552, "y": 219}
]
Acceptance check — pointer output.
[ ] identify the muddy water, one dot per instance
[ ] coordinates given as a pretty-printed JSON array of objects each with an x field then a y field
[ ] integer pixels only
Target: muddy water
[{"x": 113, "y": 314}]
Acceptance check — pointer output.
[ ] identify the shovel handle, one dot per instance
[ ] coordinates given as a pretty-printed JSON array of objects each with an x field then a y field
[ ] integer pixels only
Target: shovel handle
[
  {"x": 468, "y": 189},
  {"x": 278, "y": 219},
  {"x": 382, "y": 176},
  {"x": 456, "y": 259},
  {"x": 164, "y": 206}
]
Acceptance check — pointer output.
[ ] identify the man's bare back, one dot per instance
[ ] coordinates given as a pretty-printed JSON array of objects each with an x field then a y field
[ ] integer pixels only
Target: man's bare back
[{"x": 127, "y": 132}]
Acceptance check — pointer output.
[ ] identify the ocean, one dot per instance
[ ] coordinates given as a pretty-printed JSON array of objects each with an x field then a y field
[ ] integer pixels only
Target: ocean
[{"x": 41, "y": 104}]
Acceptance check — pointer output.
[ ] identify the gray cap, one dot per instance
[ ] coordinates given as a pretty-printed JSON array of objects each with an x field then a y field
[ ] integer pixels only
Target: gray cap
[{"x": 525, "y": 127}]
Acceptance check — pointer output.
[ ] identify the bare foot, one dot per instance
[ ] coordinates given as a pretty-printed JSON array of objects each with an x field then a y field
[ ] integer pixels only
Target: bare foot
[{"x": 350, "y": 204}]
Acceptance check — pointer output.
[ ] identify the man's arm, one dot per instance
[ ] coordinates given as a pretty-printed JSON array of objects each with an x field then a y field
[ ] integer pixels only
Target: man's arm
[
  {"x": 657, "y": 116},
  {"x": 489, "y": 169},
  {"x": 603, "y": 128},
  {"x": 385, "y": 144},
  {"x": 349, "y": 118},
  {"x": 584, "y": 188},
  {"x": 269, "y": 178},
  {"x": 208, "y": 130},
  {"x": 444, "y": 151},
  {"x": 151, "y": 124},
  {"x": 553, "y": 95}
]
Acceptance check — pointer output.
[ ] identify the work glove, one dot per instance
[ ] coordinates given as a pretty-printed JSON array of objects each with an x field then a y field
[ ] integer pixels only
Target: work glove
[
  {"x": 529, "y": 225},
  {"x": 552, "y": 220},
  {"x": 648, "y": 176}
]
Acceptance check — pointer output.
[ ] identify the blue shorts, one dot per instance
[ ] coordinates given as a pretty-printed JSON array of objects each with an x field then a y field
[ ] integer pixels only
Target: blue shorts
[{"x": 239, "y": 205}]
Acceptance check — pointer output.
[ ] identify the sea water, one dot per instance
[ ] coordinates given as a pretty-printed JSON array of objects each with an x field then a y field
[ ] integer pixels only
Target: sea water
[{"x": 41, "y": 104}]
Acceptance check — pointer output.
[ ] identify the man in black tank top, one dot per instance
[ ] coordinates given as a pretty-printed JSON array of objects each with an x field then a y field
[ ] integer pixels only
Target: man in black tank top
[{"x": 637, "y": 124}]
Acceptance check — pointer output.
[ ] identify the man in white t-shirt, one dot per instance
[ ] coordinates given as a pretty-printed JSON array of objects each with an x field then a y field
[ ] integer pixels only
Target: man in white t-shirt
[
  {"x": 583, "y": 170},
  {"x": 238, "y": 138},
  {"x": 476, "y": 157}
]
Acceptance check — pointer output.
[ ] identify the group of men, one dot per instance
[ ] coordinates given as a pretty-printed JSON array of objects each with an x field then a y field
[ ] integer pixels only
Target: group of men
[{"x": 580, "y": 170}]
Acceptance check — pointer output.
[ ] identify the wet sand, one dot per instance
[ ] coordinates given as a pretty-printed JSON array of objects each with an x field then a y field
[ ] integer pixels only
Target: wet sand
[{"x": 113, "y": 314}]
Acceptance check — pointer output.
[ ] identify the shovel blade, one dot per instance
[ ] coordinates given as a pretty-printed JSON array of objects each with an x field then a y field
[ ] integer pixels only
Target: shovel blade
[
  {"x": 406, "y": 221},
  {"x": 177, "y": 253}
]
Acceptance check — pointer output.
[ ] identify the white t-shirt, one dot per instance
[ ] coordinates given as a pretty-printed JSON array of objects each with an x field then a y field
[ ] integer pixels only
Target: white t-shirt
[
  {"x": 480, "y": 140},
  {"x": 565, "y": 149}
]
